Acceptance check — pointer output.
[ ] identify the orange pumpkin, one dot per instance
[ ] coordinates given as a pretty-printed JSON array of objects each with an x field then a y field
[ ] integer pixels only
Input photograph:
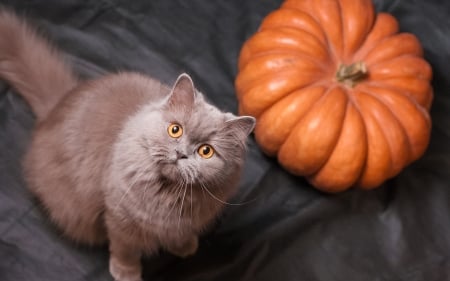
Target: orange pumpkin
[{"x": 341, "y": 97}]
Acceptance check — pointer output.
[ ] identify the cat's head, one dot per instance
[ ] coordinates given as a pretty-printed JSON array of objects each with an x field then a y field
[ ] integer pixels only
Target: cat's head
[{"x": 184, "y": 139}]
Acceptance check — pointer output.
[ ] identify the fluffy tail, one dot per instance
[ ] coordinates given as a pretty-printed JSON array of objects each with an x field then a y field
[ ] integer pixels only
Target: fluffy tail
[{"x": 32, "y": 66}]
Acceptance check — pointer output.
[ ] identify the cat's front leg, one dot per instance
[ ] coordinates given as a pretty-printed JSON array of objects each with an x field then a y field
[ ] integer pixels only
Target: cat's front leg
[
  {"x": 124, "y": 262},
  {"x": 183, "y": 247}
]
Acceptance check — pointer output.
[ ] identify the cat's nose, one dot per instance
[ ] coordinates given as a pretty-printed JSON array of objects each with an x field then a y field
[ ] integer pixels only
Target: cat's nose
[{"x": 180, "y": 155}]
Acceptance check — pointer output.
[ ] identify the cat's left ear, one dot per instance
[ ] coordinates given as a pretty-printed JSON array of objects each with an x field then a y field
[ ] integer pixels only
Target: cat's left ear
[
  {"x": 183, "y": 93},
  {"x": 241, "y": 126}
]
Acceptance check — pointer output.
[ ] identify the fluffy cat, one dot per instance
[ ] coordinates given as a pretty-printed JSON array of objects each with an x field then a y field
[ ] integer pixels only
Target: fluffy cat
[{"x": 122, "y": 159}]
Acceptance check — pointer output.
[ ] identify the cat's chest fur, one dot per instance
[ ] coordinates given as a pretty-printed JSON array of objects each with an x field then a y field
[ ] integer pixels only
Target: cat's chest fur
[
  {"x": 161, "y": 213},
  {"x": 162, "y": 209}
]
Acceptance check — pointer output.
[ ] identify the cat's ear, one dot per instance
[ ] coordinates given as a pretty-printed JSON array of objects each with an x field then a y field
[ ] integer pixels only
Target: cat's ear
[
  {"x": 241, "y": 126},
  {"x": 183, "y": 93}
]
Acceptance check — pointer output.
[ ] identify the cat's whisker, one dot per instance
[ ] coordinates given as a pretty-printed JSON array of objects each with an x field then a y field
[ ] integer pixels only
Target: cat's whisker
[
  {"x": 189, "y": 173},
  {"x": 220, "y": 200},
  {"x": 147, "y": 185},
  {"x": 203, "y": 192},
  {"x": 182, "y": 204},
  {"x": 187, "y": 177},
  {"x": 160, "y": 154},
  {"x": 137, "y": 176},
  {"x": 191, "y": 204},
  {"x": 178, "y": 191}
]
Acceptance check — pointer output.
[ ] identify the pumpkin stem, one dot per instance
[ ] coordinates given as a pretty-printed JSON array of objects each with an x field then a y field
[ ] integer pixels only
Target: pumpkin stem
[{"x": 350, "y": 75}]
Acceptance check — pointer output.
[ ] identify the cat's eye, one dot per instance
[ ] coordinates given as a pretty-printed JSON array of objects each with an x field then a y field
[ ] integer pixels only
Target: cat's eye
[
  {"x": 206, "y": 151},
  {"x": 175, "y": 130}
]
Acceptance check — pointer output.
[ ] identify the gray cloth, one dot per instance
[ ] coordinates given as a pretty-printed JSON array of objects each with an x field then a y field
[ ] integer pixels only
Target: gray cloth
[{"x": 288, "y": 230}]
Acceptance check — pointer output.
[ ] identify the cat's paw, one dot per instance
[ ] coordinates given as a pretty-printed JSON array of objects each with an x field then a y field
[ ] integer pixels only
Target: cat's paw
[
  {"x": 185, "y": 248},
  {"x": 122, "y": 272}
]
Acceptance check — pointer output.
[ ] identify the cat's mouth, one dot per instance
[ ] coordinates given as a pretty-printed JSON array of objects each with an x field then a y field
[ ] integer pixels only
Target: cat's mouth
[
  {"x": 173, "y": 172},
  {"x": 170, "y": 171}
]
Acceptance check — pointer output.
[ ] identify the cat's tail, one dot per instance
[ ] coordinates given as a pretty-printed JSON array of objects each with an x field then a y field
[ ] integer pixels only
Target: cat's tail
[{"x": 32, "y": 66}]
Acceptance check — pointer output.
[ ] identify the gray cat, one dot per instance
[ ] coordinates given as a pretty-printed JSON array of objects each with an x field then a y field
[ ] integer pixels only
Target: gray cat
[{"x": 122, "y": 159}]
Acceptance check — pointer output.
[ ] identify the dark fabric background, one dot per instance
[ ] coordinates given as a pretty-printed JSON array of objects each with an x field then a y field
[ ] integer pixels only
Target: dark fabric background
[{"x": 288, "y": 230}]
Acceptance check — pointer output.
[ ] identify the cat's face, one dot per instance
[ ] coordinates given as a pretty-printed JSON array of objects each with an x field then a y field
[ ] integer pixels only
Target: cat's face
[
  {"x": 189, "y": 141},
  {"x": 192, "y": 146}
]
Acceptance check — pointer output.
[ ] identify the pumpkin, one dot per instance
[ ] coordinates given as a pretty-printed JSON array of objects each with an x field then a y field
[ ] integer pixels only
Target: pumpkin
[{"x": 340, "y": 96}]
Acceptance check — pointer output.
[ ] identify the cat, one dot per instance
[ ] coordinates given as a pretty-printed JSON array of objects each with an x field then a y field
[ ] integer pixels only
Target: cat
[{"x": 122, "y": 159}]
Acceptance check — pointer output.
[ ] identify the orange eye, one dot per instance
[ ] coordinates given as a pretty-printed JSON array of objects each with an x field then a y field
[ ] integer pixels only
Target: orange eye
[
  {"x": 206, "y": 151},
  {"x": 175, "y": 130}
]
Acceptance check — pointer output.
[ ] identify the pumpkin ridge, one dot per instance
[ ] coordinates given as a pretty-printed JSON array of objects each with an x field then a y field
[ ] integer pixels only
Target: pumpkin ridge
[
  {"x": 402, "y": 49},
  {"x": 405, "y": 55},
  {"x": 341, "y": 57},
  {"x": 370, "y": 176},
  {"x": 381, "y": 22},
  {"x": 352, "y": 99},
  {"x": 293, "y": 33},
  {"x": 388, "y": 106},
  {"x": 315, "y": 14},
  {"x": 257, "y": 80},
  {"x": 307, "y": 87},
  {"x": 335, "y": 56},
  {"x": 358, "y": 20},
  {"x": 377, "y": 63},
  {"x": 298, "y": 118},
  {"x": 270, "y": 36},
  {"x": 266, "y": 26},
  {"x": 268, "y": 102},
  {"x": 274, "y": 62},
  {"x": 334, "y": 53},
  {"x": 402, "y": 128},
  {"x": 399, "y": 90},
  {"x": 335, "y": 140},
  {"x": 324, "y": 66},
  {"x": 337, "y": 187},
  {"x": 340, "y": 131},
  {"x": 418, "y": 68}
]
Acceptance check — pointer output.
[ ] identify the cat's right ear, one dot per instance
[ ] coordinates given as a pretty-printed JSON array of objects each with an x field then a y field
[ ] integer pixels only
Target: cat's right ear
[{"x": 183, "y": 93}]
